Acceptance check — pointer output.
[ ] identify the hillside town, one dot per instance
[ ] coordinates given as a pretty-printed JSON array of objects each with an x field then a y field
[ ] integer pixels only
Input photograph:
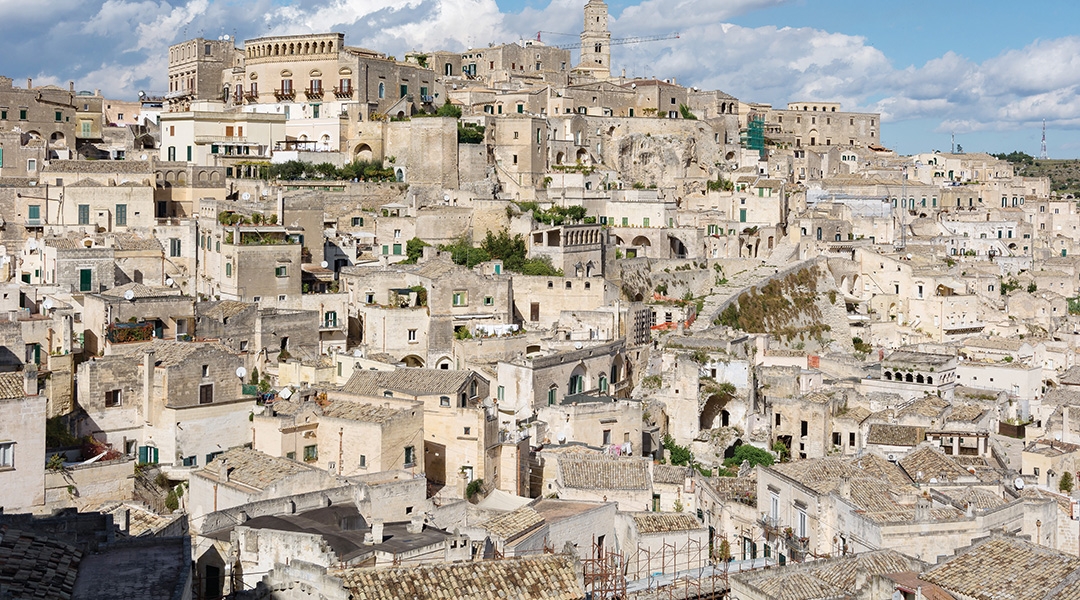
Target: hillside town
[{"x": 321, "y": 322}]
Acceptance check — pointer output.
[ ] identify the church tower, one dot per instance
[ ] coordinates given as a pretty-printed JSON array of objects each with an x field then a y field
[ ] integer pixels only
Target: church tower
[{"x": 596, "y": 41}]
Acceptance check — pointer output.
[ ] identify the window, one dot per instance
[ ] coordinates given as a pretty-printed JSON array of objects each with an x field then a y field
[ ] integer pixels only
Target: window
[
  {"x": 467, "y": 431},
  {"x": 851, "y": 439},
  {"x": 553, "y": 393},
  {"x": 397, "y": 249},
  {"x": 85, "y": 278},
  {"x": 190, "y": 461},
  {"x": 84, "y": 214},
  {"x": 228, "y": 269},
  {"x": 3, "y": 115},
  {"x": 113, "y": 398},
  {"x": 121, "y": 214},
  {"x": 171, "y": 153},
  {"x": 500, "y": 393},
  {"x": 382, "y": 90},
  {"x": 444, "y": 401},
  {"x": 243, "y": 345},
  {"x": 607, "y": 437},
  {"x": 311, "y": 453},
  {"x": 206, "y": 393},
  {"x": 330, "y": 318},
  {"x": 363, "y": 461},
  {"x": 358, "y": 221},
  {"x": 489, "y": 301},
  {"x": 281, "y": 272},
  {"x": 412, "y": 335},
  {"x": 31, "y": 165},
  {"x": 645, "y": 222},
  {"x": 8, "y": 454},
  {"x": 777, "y": 419},
  {"x": 802, "y": 524},
  {"x": 33, "y": 212},
  {"x": 461, "y": 298},
  {"x": 22, "y": 114},
  {"x": 410, "y": 456},
  {"x": 404, "y": 90},
  {"x": 59, "y": 116}
]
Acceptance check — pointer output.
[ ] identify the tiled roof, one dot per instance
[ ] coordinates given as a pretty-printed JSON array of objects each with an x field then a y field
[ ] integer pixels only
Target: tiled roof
[
  {"x": 169, "y": 353},
  {"x": 11, "y": 386},
  {"x": 1071, "y": 377},
  {"x": 926, "y": 463},
  {"x": 140, "y": 291},
  {"x": 670, "y": 474},
  {"x": 895, "y": 435},
  {"x": 33, "y": 566},
  {"x": 737, "y": 488},
  {"x": 927, "y": 406},
  {"x": 857, "y": 414},
  {"x": 141, "y": 521},
  {"x": 410, "y": 381},
  {"x": 99, "y": 166},
  {"x": 649, "y": 522},
  {"x": 223, "y": 309},
  {"x": 552, "y": 577},
  {"x": 514, "y": 523},
  {"x": 133, "y": 242},
  {"x": 1004, "y": 567},
  {"x": 965, "y": 413},
  {"x": 977, "y": 497},
  {"x": 252, "y": 468},
  {"x": 1064, "y": 502},
  {"x": 603, "y": 473},
  {"x": 358, "y": 411},
  {"x": 824, "y": 579}
]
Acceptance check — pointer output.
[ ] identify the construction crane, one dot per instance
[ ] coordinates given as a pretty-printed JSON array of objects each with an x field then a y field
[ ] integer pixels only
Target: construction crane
[{"x": 614, "y": 42}]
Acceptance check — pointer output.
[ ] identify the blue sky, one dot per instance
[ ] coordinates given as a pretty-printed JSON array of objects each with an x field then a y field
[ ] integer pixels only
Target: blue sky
[{"x": 988, "y": 71}]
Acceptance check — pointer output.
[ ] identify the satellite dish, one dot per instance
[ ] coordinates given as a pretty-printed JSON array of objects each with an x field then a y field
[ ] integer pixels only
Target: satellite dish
[
  {"x": 129, "y": 295},
  {"x": 169, "y": 281},
  {"x": 142, "y": 94},
  {"x": 225, "y": 37},
  {"x": 933, "y": 480},
  {"x": 578, "y": 345},
  {"x": 47, "y": 304},
  {"x": 245, "y": 196},
  {"x": 142, "y": 157},
  {"x": 909, "y": 256},
  {"x": 633, "y": 86},
  {"x": 562, "y": 438},
  {"x": 324, "y": 264},
  {"x": 1018, "y": 483},
  {"x": 285, "y": 393},
  {"x": 241, "y": 372}
]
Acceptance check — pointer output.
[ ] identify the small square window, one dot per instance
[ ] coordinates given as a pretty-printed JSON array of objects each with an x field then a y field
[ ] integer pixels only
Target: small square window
[
  {"x": 489, "y": 301},
  {"x": 113, "y": 398},
  {"x": 282, "y": 298},
  {"x": 468, "y": 431},
  {"x": 206, "y": 370},
  {"x": 243, "y": 345},
  {"x": 412, "y": 335},
  {"x": 281, "y": 271}
]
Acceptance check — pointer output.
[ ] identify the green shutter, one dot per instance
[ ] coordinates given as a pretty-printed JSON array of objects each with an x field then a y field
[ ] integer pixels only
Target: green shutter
[
  {"x": 85, "y": 279},
  {"x": 34, "y": 212},
  {"x": 121, "y": 214},
  {"x": 84, "y": 214}
]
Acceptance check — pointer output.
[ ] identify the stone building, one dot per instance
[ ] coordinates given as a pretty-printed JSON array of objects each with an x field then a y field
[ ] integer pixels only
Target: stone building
[
  {"x": 823, "y": 124},
  {"x": 178, "y": 404},
  {"x": 199, "y": 70},
  {"x": 22, "y": 441}
]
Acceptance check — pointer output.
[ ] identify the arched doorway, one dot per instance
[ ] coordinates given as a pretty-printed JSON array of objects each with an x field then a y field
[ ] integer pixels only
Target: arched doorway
[
  {"x": 413, "y": 361},
  {"x": 363, "y": 153}
]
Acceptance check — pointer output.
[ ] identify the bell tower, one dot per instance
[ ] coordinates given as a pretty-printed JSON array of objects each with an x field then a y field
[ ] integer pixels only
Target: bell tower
[{"x": 596, "y": 41}]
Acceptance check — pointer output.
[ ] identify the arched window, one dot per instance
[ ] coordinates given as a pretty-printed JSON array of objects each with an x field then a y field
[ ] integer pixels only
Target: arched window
[
  {"x": 382, "y": 90},
  {"x": 553, "y": 394},
  {"x": 603, "y": 384}
]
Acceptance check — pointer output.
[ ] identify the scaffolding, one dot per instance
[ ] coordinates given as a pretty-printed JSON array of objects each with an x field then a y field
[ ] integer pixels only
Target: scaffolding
[
  {"x": 671, "y": 571},
  {"x": 753, "y": 137}
]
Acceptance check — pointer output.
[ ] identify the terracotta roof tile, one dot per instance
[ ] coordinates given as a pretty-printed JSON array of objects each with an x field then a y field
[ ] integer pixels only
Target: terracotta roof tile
[
  {"x": 649, "y": 522},
  {"x": 11, "y": 386},
  {"x": 252, "y": 468},
  {"x": 514, "y": 523},
  {"x": 33, "y": 566},
  {"x": 410, "y": 381},
  {"x": 552, "y": 577},
  {"x": 603, "y": 473},
  {"x": 1010, "y": 568}
]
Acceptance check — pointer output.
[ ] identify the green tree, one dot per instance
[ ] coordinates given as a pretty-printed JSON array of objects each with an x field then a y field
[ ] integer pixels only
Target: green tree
[
  {"x": 680, "y": 455},
  {"x": 463, "y": 253},
  {"x": 511, "y": 250},
  {"x": 781, "y": 450},
  {"x": 448, "y": 110},
  {"x": 684, "y": 110},
  {"x": 414, "y": 249},
  {"x": 755, "y": 456},
  {"x": 1065, "y": 484}
]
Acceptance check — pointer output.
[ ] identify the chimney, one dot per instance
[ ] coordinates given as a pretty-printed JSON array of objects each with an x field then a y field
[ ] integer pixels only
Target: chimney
[
  {"x": 223, "y": 470},
  {"x": 376, "y": 534},
  {"x": 29, "y": 83},
  {"x": 922, "y": 509},
  {"x": 416, "y": 525},
  {"x": 125, "y": 520},
  {"x": 844, "y": 488},
  {"x": 71, "y": 86},
  {"x": 30, "y": 380}
]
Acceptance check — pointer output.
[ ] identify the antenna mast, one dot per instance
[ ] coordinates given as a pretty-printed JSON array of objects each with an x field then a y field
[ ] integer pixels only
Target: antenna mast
[{"x": 1042, "y": 153}]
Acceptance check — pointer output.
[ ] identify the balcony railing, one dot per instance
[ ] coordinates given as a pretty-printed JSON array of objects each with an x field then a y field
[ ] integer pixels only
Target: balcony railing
[
  {"x": 427, "y": 99},
  {"x": 797, "y": 544},
  {"x": 771, "y": 525},
  {"x": 313, "y": 93},
  {"x": 251, "y": 96},
  {"x": 343, "y": 92},
  {"x": 288, "y": 94}
]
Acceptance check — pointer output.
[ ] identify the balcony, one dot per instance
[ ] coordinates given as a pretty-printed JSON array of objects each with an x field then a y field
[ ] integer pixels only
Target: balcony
[
  {"x": 427, "y": 99},
  {"x": 286, "y": 94},
  {"x": 251, "y": 96},
  {"x": 346, "y": 92},
  {"x": 771, "y": 525},
  {"x": 314, "y": 93},
  {"x": 797, "y": 545}
]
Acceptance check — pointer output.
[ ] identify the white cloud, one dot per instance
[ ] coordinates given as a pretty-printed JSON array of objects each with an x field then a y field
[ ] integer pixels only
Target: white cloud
[{"x": 121, "y": 46}]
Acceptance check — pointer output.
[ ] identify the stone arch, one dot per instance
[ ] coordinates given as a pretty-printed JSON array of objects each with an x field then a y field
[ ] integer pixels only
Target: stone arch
[
  {"x": 920, "y": 379},
  {"x": 909, "y": 378},
  {"x": 559, "y": 158},
  {"x": 170, "y": 176},
  {"x": 445, "y": 363},
  {"x": 204, "y": 177},
  {"x": 363, "y": 152},
  {"x": 715, "y": 412},
  {"x": 583, "y": 156},
  {"x": 532, "y": 349},
  {"x": 181, "y": 178},
  {"x": 641, "y": 241},
  {"x": 888, "y": 375},
  {"x": 215, "y": 177},
  {"x": 58, "y": 139},
  {"x": 413, "y": 361},
  {"x": 579, "y": 380},
  {"x": 929, "y": 380}
]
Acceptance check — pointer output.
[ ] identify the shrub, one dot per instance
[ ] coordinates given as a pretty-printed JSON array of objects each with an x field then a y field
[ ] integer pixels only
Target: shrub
[
  {"x": 755, "y": 456},
  {"x": 680, "y": 455},
  {"x": 1065, "y": 484},
  {"x": 171, "y": 501},
  {"x": 474, "y": 487}
]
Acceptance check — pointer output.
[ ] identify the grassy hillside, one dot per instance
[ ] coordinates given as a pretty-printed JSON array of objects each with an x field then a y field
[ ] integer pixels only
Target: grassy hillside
[{"x": 1064, "y": 174}]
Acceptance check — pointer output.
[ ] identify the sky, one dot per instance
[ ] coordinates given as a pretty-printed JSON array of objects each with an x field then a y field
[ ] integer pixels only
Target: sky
[{"x": 986, "y": 72}]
